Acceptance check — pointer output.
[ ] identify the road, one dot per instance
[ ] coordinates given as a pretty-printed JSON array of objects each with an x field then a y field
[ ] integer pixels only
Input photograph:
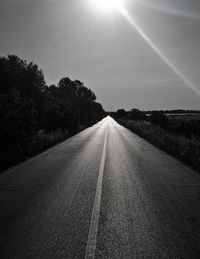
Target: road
[{"x": 104, "y": 193}]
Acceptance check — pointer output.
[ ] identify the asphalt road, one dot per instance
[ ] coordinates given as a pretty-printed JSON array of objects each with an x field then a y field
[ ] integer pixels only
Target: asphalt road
[{"x": 104, "y": 193}]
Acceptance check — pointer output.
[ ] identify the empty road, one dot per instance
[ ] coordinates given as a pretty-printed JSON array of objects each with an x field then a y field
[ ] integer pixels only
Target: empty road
[{"x": 104, "y": 193}]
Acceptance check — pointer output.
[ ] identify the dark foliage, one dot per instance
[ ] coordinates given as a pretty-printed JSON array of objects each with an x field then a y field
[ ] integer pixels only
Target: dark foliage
[
  {"x": 133, "y": 114},
  {"x": 177, "y": 112},
  {"x": 185, "y": 125},
  {"x": 178, "y": 122},
  {"x": 136, "y": 114},
  {"x": 27, "y": 105},
  {"x": 69, "y": 105},
  {"x": 121, "y": 113},
  {"x": 159, "y": 118},
  {"x": 25, "y": 78},
  {"x": 186, "y": 149},
  {"x": 18, "y": 120}
]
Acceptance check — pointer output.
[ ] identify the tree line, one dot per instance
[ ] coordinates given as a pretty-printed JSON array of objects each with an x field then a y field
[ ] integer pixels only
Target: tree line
[
  {"x": 179, "y": 124},
  {"x": 28, "y": 105}
]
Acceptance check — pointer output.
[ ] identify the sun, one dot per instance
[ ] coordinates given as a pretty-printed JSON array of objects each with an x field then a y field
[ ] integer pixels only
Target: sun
[{"x": 107, "y": 6}]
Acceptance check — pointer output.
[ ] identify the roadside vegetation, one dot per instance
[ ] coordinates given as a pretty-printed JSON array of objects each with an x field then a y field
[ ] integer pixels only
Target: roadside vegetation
[
  {"x": 178, "y": 134},
  {"x": 35, "y": 116}
]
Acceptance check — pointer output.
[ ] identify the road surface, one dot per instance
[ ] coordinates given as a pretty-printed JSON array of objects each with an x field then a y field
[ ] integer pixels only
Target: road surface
[{"x": 104, "y": 193}]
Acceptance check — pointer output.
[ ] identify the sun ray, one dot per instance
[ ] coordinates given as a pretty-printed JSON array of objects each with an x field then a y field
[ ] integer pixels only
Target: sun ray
[
  {"x": 166, "y": 60},
  {"x": 180, "y": 13}
]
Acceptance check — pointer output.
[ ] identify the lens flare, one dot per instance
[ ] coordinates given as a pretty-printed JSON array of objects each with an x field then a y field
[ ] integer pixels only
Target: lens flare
[
  {"x": 107, "y": 6},
  {"x": 179, "y": 13},
  {"x": 168, "y": 62}
]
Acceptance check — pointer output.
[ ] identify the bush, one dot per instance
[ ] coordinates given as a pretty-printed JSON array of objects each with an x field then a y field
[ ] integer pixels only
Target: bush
[
  {"x": 18, "y": 120},
  {"x": 136, "y": 114},
  {"x": 186, "y": 149},
  {"x": 40, "y": 141},
  {"x": 43, "y": 140},
  {"x": 159, "y": 118}
]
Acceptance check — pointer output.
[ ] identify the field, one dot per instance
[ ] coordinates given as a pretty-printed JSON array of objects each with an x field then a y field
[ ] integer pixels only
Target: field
[
  {"x": 181, "y": 137},
  {"x": 187, "y": 125}
]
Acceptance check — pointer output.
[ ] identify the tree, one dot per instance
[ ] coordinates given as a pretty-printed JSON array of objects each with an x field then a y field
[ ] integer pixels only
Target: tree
[
  {"x": 18, "y": 120},
  {"x": 27, "y": 104},
  {"x": 136, "y": 114},
  {"x": 121, "y": 113},
  {"x": 25, "y": 78},
  {"x": 69, "y": 105}
]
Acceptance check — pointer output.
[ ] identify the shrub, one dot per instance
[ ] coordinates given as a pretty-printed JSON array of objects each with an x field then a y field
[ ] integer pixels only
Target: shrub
[
  {"x": 18, "y": 120},
  {"x": 186, "y": 149}
]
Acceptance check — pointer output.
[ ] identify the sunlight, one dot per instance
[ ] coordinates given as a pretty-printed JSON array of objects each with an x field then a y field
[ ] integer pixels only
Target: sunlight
[
  {"x": 180, "y": 13},
  {"x": 156, "y": 49},
  {"x": 107, "y": 6}
]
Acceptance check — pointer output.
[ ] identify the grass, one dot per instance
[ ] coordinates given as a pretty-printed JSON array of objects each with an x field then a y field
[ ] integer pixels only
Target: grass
[
  {"x": 44, "y": 140},
  {"x": 185, "y": 149},
  {"x": 12, "y": 155}
]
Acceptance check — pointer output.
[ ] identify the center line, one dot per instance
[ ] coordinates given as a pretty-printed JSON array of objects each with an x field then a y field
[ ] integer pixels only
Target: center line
[{"x": 92, "y": 235}]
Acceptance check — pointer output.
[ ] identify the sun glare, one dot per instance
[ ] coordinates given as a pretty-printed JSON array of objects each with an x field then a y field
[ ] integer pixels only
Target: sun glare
[{"x": 107, "y": 6}]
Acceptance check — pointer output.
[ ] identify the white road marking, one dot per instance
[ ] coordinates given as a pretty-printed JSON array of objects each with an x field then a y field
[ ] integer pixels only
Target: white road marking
[{"x": 92, "y": 235}]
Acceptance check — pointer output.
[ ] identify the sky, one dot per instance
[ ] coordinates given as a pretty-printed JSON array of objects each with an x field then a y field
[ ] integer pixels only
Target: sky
[{"x": 123, "y": 60}]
